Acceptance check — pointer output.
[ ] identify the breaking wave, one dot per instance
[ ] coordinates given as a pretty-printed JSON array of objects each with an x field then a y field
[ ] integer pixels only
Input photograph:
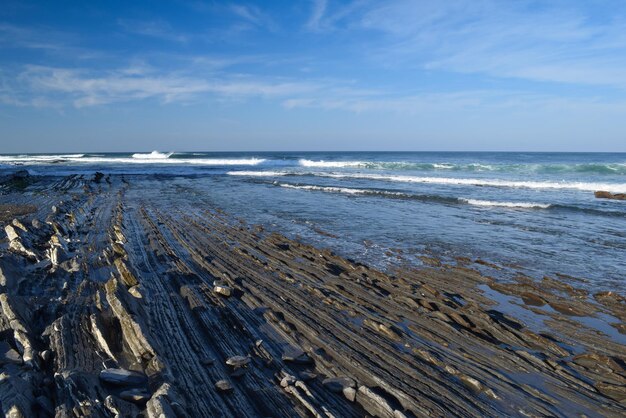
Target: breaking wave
[
  {"x": 521, "y": 205},
  {"x": 589, "y": 168},
  {"x": 154, "y": 155},
  {"x": 412, "y": 196},
  {"x": 559, "y": 185}
]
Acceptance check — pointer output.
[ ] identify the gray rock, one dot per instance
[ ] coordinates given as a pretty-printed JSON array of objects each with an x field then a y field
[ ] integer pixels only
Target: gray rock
[
  {"x": 223, "y": 386},
  {"x": 350, "y": 394},
  {"x": 338, "y": 384},
  {"x": 135, "y": 395},
  {"x": 20, "y": 174},
  {"x": 306, "y": 376},
  {"x": 8, "y": 354},
  {"x": 238, "y": 361},
  {"x": 123, "y": 377},
  {"x": 11, "y": 232},
  {"x": 374, "y": 404},
  {"x": 46, "y": 355},
  {"x": 16, "y": 223},
  {"x": 288, "y": 380},
  {"x": 223, "y": 290},
  {"x": 239, "y": 372},
  {"x": 296, "y": 355}
]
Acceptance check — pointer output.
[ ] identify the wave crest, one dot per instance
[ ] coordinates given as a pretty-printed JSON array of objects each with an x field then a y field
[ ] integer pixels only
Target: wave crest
[
  {"x": 583, "y": 186},
  {"x": 154, "y": 155},
  {"x": 401, "y": 195},
  {"x": 520, "y": 205}
]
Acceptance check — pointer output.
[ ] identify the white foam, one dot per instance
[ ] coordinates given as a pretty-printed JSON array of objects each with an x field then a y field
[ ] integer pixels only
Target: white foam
[
  {"x": 351, "y": 191},
  {"x": 324, "y": 189},
  {"x": 258, "y": 173},
  {"x": 26, "y": 158},
  {"x": 584, "y": 186},
  {"x": 443, "y": 166},
  {"x": 331, "y": 164},
  {"x": 136, "y": 159},
  {"x": 154, "y": 155},
  {"x": 523, "y": 205}
]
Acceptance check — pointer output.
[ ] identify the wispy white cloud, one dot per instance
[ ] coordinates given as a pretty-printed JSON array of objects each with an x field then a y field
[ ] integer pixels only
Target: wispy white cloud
[
  {"x": 85, "y": 88},
  {"x": 12, "y": 36},
  {"x": 317, "y": 13},
  {"x": 253, "y": 15},
  {"x": 462, "y": 102},
  {"x": 559, "y": 43},
  {"x": 155, "y": 28}
]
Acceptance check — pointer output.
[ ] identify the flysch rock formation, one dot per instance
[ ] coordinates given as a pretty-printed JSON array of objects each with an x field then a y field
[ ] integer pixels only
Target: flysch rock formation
[{"x": 117, "y": 301}]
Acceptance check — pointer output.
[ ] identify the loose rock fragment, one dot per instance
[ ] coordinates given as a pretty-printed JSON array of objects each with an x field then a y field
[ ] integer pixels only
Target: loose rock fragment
[
  {"x": 223, "y": 386},
  {"x": 123, "y": 377},
  {"x": 306, "y": 376},
  {"x": 238, "y": 361},
  {"x": 296, "y": 355},
  {"x": 9, "y": 355},
  {"x": 617, "y": 392},
  {"x": 338, "y": 384},
  {"x": 135, "y": 395},
  {"x": 223, "y": 290}
]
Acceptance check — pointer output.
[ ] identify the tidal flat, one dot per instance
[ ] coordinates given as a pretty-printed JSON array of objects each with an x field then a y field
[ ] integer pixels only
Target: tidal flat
[{"x": 115, "y": 302}]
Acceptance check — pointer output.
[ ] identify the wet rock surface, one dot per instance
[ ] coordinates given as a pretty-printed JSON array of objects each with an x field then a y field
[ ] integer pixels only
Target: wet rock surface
[
  {"x": 608, "y": 195},
  {"x": 116, "y": 300}
]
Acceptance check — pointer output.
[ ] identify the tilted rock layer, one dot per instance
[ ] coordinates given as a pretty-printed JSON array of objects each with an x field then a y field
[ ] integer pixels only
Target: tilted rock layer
[{"x": 115, "y": 302}]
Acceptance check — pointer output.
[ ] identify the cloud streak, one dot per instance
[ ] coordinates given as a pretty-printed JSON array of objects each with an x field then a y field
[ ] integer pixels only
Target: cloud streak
[
  {"x": 560, "y": 44},
  {"x": 84, "y": 88},
  {"x": 159, "y": 29}
]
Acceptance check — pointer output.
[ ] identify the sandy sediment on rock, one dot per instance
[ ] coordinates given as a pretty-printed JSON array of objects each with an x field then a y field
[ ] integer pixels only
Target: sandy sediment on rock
[{"x": 114, "y": 303}]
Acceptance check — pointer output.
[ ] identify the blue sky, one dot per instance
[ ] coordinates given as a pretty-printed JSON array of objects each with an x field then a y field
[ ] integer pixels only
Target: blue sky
[{"x": 313, "y": 75}]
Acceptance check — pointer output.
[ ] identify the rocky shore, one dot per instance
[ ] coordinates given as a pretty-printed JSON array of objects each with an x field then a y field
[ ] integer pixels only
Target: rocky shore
[{"x": 116, "y": 302}]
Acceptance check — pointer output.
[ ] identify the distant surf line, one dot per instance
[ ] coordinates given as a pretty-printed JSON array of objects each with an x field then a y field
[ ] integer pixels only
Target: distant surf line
[{"x": 583, "y": 186}]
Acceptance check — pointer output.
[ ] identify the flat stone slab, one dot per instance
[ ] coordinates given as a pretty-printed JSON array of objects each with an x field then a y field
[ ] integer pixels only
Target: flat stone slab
[
  {"x": 338, "y": 384},
  {"x": 8, "y": 354},
  {"x": 238, "y": 361},
  {"x": 135, "y": 395},
  {"x": 296, "y": 355},
  {"x": 123, "y": 377}
]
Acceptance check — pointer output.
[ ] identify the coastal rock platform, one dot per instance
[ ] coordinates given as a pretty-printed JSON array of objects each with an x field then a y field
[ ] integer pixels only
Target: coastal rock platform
[{"x": 116, "y": 300}]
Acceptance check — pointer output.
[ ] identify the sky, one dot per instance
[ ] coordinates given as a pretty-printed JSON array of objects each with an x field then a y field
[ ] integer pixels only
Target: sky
[{"x": 191, "y": 75}]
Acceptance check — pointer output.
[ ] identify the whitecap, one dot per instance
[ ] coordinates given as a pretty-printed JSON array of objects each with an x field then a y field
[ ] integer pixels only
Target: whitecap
[
  {"x": 520, "y": 205},
  {"x": 562, "y": 185},
  {"x": 331, "y": 164},
  {"x": 154, "y": 155},
  {"x": 257, "y": 173}
]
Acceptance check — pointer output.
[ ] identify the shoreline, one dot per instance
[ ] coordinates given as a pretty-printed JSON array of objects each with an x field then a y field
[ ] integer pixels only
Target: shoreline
[{"x": 111, "y": 279}]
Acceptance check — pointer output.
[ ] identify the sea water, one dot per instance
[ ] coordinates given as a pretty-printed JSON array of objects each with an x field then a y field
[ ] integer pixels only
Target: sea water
[{"x": 533, "y": 213}]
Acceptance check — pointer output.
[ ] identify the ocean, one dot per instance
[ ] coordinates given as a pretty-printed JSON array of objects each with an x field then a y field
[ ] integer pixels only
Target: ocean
[{"x": 530, "y": 213}]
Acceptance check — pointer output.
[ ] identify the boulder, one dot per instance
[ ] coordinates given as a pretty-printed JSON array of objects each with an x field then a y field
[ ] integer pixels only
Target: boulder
[{"x": 608, "y": 195}]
